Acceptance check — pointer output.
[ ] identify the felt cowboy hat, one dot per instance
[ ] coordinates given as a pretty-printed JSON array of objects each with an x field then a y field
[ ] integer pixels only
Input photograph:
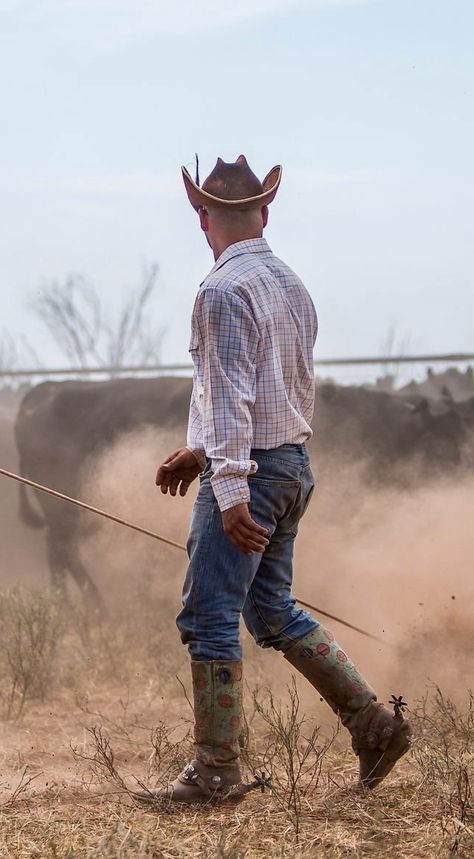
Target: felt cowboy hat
[{"x": 232, "y": 186}]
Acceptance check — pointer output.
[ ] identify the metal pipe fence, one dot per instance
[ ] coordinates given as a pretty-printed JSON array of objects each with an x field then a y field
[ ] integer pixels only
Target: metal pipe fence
[{"x": 161, "y": 369}]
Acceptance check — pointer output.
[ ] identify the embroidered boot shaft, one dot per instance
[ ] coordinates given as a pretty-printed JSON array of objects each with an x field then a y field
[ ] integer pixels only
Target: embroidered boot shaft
[
  {"x": 217, "y": 691},
  {"x": 379, "y": 737},
  {"x": 327, "y": 667}
]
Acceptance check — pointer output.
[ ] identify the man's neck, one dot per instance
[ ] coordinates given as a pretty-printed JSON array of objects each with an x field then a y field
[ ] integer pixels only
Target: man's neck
[{"x": 225, "y": 242}]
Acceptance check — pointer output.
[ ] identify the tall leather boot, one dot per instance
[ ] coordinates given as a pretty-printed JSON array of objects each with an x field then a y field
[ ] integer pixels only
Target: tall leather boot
[
  {"x": 379, "y": 737},
  {"x": 217, "y": 691}
]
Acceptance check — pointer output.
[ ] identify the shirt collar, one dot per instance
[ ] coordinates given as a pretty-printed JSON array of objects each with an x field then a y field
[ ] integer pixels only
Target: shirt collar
[{"x": 248, "y": 246}]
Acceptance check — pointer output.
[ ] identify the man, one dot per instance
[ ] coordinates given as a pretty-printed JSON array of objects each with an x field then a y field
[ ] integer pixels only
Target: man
[{"x": 253, "y": 331}]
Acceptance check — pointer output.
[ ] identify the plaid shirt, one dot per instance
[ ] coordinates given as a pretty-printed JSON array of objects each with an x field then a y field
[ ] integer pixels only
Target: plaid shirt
[{"x": 252, "y": 336}]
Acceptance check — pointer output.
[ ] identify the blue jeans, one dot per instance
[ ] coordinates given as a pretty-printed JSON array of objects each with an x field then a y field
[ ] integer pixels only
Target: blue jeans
[{"x": 222, "y": 583}]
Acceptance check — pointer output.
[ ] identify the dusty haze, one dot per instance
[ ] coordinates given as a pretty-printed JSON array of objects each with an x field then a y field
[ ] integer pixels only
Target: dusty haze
[{"x": 396, "y": 563}]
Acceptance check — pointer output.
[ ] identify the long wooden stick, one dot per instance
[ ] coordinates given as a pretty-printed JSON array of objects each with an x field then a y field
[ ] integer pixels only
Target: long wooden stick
[
  {"x": 91, "y": 509},
  {"x": 120, "y": 521}
]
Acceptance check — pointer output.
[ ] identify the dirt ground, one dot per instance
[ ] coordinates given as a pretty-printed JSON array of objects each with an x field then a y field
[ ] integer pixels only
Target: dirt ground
[{"x": 115, "y": 716}]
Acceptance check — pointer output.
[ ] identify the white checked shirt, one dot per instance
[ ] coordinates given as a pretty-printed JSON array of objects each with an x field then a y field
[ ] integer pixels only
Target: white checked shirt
[{"x": 252, "y": 336}]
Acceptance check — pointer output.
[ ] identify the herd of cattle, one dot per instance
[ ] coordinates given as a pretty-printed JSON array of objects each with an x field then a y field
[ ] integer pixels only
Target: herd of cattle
[{"x": 423, "y": 429}]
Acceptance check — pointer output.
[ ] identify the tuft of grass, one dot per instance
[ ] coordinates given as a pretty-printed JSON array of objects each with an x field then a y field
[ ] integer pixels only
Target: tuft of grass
[
  {"x": 135, "y": 632},
  {"x": 31, "y": 628},
  {"x": 444, "y": 751},
  {"x": 294, "y": 752}
]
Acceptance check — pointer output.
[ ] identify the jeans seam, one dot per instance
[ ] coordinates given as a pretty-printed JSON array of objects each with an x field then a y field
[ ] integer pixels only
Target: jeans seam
[
  {"x": 259, "y": 614},
  {"x": 296, "y": 502},
  {"x": 203, "y": 552}
]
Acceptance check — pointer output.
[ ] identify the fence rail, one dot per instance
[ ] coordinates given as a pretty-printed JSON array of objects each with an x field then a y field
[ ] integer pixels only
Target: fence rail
[{"x": 450, "y": 358}]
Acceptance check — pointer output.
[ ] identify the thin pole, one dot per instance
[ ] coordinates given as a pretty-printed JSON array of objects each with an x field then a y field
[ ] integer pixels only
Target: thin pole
[
  {"x": 89, "y": 507},
  {"x": 60, "y": 495},
  {"x": 448, "y": 358},
  {"x": 339, "y": 620}
]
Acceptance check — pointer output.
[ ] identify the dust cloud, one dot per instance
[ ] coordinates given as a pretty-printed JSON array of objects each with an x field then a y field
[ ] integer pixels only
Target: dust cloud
[
  {"x": 395, "y": 562},
  {"x": 121, "y": 481},
  {"x": 400, "y": 566}
]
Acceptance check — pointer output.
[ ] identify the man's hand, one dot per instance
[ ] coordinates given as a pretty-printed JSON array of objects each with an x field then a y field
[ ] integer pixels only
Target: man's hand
[
  {"x": 178, "y": 470},
  {"x": 243, "y": 531}
]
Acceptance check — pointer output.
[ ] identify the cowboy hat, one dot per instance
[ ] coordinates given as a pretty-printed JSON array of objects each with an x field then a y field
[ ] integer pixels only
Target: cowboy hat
[{"x": 232, "y": 185}]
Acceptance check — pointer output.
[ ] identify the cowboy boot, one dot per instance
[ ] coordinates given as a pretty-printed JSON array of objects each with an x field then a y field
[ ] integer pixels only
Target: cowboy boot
[
  {"x": 379, "y": 737},
  {"x": 217, "y": 690}
]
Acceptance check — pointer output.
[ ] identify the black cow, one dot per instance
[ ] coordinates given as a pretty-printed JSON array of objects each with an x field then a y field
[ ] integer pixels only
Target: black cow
[
  {"x": 407, "y": 438},
  {"x": 58, "y": 427},
  {"x": 61, "y": 424}
]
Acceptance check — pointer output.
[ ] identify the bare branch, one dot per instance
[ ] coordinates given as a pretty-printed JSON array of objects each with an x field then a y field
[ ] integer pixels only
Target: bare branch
[
  {"x": 25, "y": 780},
  {"x": 73, "y": 314},
  {"x": 8, "y": 352}
]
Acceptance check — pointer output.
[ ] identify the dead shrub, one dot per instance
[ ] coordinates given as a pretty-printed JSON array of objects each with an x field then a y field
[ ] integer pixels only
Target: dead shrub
[
  {"x": 31, "y": 628},
  {"x": 294, "y": 752},
  {"x": 169, "y": 756},
  {"x": 134, "y": 631},
  {"x": 444, "y": 751}
]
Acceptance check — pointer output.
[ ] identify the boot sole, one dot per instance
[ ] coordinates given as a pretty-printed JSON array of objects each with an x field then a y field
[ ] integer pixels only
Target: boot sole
[
  {"x": 161, "y": 797},
  {"x": 382, "y": 766},
  {"x": 190, "y": 795}
]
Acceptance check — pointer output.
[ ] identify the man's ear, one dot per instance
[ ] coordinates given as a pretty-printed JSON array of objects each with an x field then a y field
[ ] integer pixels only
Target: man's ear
[
  {"x": 264, "y": 216},
  {"x": 203, "y": 218}
]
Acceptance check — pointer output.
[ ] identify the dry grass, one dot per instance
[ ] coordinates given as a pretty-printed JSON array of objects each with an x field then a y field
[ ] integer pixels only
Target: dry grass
[
  {"x": 114, "y": 716},
  {"x": 31, "y": 626}
]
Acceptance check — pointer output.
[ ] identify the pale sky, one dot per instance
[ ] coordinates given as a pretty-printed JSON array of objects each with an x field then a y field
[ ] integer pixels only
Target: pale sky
[{"x": 368, "y": 106}]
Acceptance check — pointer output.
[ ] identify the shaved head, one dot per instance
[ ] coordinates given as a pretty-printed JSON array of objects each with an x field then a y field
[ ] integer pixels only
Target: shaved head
[
  {"x": 224, "y": 227},
  {"x": 234, "y": 218}
]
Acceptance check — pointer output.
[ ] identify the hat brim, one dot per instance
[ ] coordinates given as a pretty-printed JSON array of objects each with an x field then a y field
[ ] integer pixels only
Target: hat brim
[{"x": 200, "y": 199}]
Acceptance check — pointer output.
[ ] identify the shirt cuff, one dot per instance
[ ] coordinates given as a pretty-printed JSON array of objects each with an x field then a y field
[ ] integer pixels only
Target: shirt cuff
[
  {"x": 199, "y": 455},
  {"x": 230, "y": 490}
]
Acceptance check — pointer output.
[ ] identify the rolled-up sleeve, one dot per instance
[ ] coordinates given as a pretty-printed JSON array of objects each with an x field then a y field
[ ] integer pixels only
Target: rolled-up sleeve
[{"x": 227, "y": 342}]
